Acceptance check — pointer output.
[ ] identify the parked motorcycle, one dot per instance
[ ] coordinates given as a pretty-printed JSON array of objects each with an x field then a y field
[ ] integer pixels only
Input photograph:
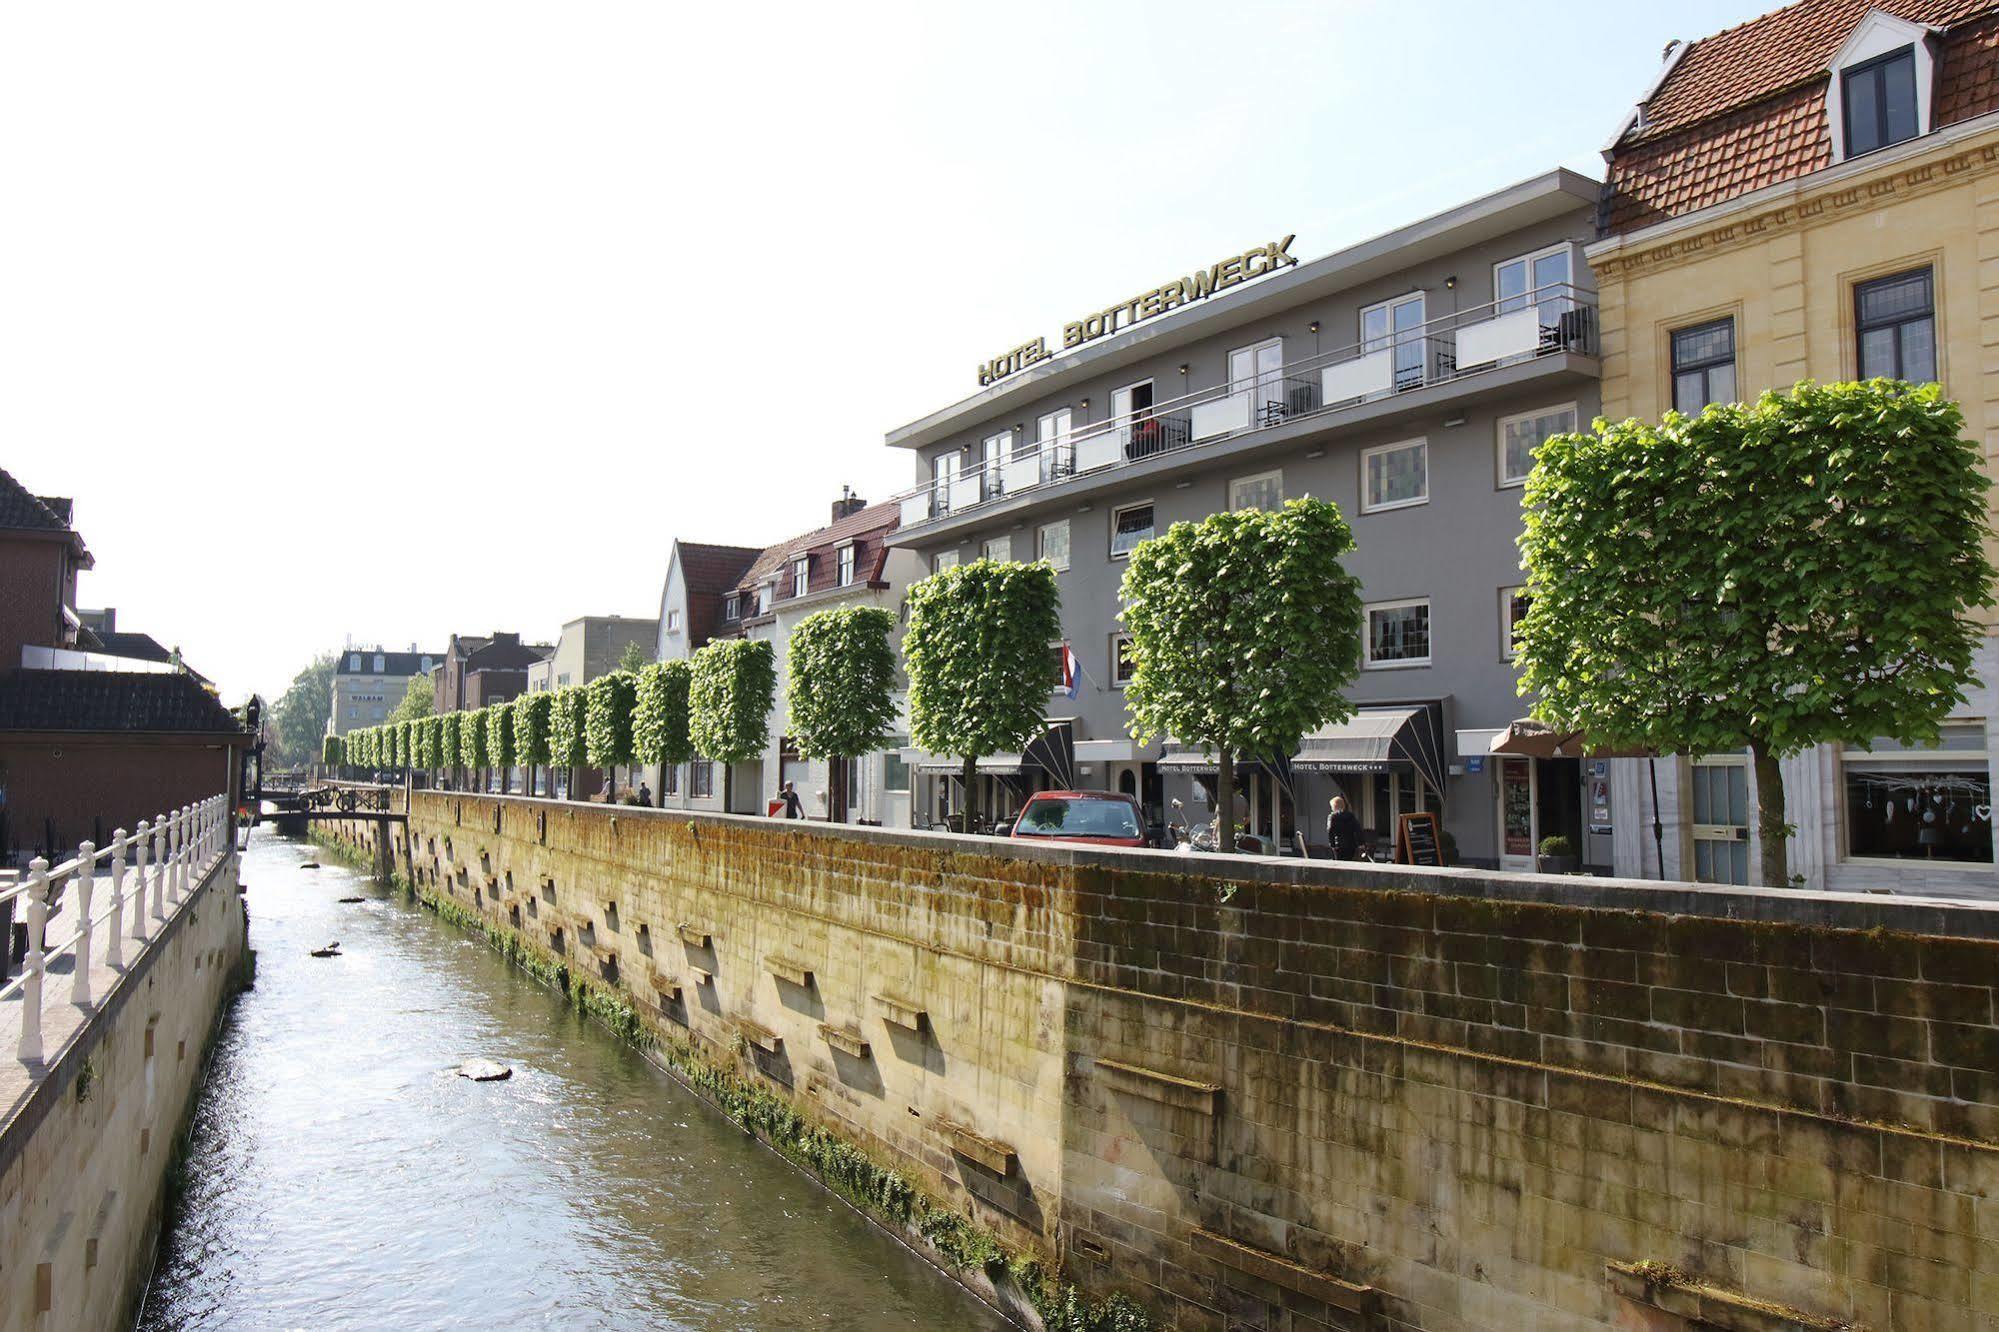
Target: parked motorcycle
[{"x": 1188, "y": 839}]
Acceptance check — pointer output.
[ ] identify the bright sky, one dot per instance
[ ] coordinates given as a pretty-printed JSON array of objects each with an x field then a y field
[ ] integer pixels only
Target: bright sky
[{"x": 385, "y": 320}]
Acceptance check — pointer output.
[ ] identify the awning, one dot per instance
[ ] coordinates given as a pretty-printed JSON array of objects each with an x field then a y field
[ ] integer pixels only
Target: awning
[
  {"x": 1054, "y": 752},
  {"x": 1373, "y": 739},
  {"x": 1530, "y": 738},
  {"x": 992, "y": 765}
]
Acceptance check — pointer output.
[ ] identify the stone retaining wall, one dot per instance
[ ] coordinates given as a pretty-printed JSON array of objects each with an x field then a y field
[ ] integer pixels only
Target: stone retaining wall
[{"x": 1283, "y": 1096}]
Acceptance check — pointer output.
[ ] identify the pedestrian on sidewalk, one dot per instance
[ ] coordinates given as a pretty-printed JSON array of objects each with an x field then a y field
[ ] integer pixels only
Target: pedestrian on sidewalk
[
  {"x": 794, "y": 808},
  {"x": 1343, "y": 831}
]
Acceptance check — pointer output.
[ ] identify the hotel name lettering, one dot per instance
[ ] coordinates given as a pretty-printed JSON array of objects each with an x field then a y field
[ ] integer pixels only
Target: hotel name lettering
[{"x": 1235, "y": 269}]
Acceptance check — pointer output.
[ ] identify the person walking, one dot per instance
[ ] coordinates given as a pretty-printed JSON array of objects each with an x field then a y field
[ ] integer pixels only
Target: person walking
[
  {"x": 794, "y": 808},
  {"x": 1343, "y": 831},
  {"x": 645, "y": 795}
]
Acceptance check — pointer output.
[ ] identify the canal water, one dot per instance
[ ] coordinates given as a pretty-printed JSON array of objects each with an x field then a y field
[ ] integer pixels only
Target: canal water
[{"x": 341, "y": 1175}]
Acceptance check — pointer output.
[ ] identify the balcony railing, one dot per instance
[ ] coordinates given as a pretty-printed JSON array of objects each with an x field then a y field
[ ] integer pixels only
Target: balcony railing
[{"x": 1470, "y": 342}]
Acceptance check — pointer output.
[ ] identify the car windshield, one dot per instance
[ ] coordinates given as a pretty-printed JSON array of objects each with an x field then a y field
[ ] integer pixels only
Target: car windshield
[{"x": 1079, "y": 818}]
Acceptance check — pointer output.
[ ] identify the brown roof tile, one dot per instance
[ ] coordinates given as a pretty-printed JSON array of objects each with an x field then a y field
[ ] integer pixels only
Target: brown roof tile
[{"x": 110, "y": 701}]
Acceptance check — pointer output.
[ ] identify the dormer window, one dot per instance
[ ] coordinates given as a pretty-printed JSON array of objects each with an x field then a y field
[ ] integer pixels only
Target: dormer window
[
  {"x": 801, "y": 575},
  {"x": 847, "y": 554},
  {"x": 732, "y": 607},
  {"x": 764, "y": 594},
  {"x": 1878, "y": 94}
]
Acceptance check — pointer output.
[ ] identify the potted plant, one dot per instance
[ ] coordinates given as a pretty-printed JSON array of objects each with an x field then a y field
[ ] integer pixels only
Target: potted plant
[{"x": 1558, "y": 855}]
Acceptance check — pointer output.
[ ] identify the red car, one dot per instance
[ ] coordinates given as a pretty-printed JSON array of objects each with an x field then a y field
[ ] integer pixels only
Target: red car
[{"x": 1100, "y": 818}]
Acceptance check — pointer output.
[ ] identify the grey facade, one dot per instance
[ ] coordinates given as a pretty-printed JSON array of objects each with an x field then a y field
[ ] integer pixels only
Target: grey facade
[
  {"x": 592, "y": 646},
  {"x": 1317, "y": 391}
]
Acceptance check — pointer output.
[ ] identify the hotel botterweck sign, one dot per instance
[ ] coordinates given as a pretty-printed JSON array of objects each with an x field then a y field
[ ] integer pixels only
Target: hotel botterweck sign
[{"x": 1218, "y": 277}]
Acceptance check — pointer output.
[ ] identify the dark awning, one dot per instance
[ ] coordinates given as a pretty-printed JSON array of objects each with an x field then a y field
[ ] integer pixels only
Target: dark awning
[{"x": 1372, "y": 740}]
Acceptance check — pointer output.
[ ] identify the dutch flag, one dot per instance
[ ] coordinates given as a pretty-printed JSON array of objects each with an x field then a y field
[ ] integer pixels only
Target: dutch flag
[{"x": 1071, "y": 668}]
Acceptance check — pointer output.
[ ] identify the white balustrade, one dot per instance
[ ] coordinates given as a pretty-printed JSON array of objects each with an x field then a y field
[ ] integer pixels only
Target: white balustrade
[{"x": 165, "y": 858}]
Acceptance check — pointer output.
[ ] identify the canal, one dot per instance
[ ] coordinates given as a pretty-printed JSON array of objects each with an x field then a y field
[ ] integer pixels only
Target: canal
[{"x": 340, "y": 1174}]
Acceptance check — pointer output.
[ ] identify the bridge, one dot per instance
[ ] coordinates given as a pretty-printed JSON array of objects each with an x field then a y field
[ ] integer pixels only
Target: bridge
[{"x": 295, "y": 806}]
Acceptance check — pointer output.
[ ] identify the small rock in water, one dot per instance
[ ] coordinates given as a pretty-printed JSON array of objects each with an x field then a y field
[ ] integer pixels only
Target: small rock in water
[
  {"x": 310, "y": 864},
  {"x": 331, "y": 950},
  {"x": 353, "y": 899},
  {"x": 484, "y": 1070}
]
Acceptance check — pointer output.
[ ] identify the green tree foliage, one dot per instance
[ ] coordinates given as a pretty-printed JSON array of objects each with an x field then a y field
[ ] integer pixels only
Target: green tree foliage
[
  {"x": 473, "y": 750},
  {"x": 977, "y": 652},
  {"x": 568, "y": 727},
  {"x": 500, "y": 739},
  {"x": 607, "y": 720},
  {"x": 431, "y": 731},
  {"x": 1768, "y": 577},
  {"x": 399, "y": 733},
  {"x": 840, "y": 693},
  {"x": 332, "y": 751},
  {"x": 531, "y": 717},
  {"x": 451, "y": 740},
  {"x": 660, "y": 721},
  {"x": 300, "y": 715},
  {"x": 633, "y": 659},
  {"x": 418, "y": 700},
  {"x": 729, "y": 699},
  {"x": 1245, "y": 633}
]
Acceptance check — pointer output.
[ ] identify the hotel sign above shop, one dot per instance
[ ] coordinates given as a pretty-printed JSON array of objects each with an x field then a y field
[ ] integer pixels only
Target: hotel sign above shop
[{"x": 1218, "y": 277}]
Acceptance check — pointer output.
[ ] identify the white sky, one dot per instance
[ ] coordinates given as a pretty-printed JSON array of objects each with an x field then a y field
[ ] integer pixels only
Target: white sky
[{"x": 389, "y": 320}]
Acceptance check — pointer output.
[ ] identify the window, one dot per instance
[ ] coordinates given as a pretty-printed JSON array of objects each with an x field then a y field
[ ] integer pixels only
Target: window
[
  {"x": 1895, "y": 318},
  {"x": 732, "y": 608},
  {"x": 1398, "y": 633},
  {"x": 1394, "y": 476},
  {"x": 1532, "y": 279},
  {"x": 848, "y": 555},
  {"x": 1051, "y": 440},
  {"x": 669, "y": 779},
  {"x": 1257, "y": 371},
  {"x": 1129, "y": 526},
  {"x": 1879, "y": 102},
  {"x": 1052, "y": 543},
  {"x": 1520, "y": 435},
  {"x": 1398, "y": 324},
  {"x": 701, "y": 778},
  {"x": 426, "y": 665},
  {"x": 1265, "y": 490},
  {"x": 998, "y": 548},
  {"x": 1930, "y": 804},
  {"x": 1721, "y": 819},
  {"x": 764, "y": 595},
  {"x": 1120, "y": 660},
  {"x": 895, "y": 772},
  {"x": 381, "y": 663},
  {"x": 353, "y": 661},
  {"x": 994, "y": 450},
  {"x": 1703, "y": 365},
  {"x": 1129, "y": 406},
  {"x": 944, "y": 559},
  {"x": 801, "y": 575},
  {"x": 673, "y": 620},
  {"x": 1513, "y": 603},
  {"x": 943, "y": 475}
]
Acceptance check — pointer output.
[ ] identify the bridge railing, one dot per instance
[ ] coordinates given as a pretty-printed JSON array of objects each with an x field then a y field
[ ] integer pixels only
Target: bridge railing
[{"x": 120, "y": 894}]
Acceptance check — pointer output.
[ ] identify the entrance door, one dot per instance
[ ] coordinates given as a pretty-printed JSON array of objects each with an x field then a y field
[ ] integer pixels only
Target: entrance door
[
  {"x": 1259, "y": 372},
  {"x": 1129, "y": 406},
  {"x": 1398, "y": 324},
  {"x": 1721, "y": 819},
  {"x": 1516, "y": 813},
  {"x": 943, "y": 473}
]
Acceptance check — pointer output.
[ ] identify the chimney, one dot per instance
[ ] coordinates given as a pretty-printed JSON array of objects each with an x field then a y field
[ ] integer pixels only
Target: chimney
[
  {"x": 506, "y": 640},
  {"x": 848, "y": 503}
]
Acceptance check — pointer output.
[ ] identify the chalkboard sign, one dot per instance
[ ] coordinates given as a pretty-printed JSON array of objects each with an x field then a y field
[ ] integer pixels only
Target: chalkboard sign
[{"x": 1417, "y": 840}]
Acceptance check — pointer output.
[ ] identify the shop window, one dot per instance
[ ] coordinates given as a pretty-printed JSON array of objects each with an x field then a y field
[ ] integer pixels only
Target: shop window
[
  {"x": 1879, "y": 100},
  {"x": 1513, "y": 603},
  {"x": 1394, "y": 476},
  {"x": 1920, "y": 804},
  {"x": 1895, "y": 319},
  {"x": 1053, "y": 543},
  {"x": 999, "y": 548},
  {"x": 848, "y": 558},
  {"x": 1121, "y": 664},
  {"x": 1703, "y": 365},
  {"x": 1130, "y": 525},
  {"x": 1520, "y": 435},
  {"x": 1398, "y": 633},
  {"x": 1264, "y": 491}
]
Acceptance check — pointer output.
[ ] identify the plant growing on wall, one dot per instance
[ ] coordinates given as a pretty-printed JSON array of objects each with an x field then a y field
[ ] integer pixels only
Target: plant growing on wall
[
  {"x": 500, "y": 741},
  {"x": 1770, "y": 576},
  {"x": 567, "y": 726},
  {"x": 840, "y": 693},
  {"x": 1245, "y": 633},
  {"x": 729, "y": 699},
  {"x": 332, "y": 752},
  {"x": 978, "y": 656},
  {"x": 473, "y": 750},
  {"x": 660, "y": 721},
  {"x": 451, "y": 742},
  {"x": 531, "y": 715},
  {"x": 607, "y": 724}
]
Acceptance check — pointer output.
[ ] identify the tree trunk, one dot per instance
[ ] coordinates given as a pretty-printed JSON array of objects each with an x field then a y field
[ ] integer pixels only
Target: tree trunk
[
  {"x": 970, "y": 777},
  {"x": 610, "y": 786},
  {"x": 1771, "y": 824},
  {"x": 836, "y": 790},
  {"x": 1225, "y": 800}
]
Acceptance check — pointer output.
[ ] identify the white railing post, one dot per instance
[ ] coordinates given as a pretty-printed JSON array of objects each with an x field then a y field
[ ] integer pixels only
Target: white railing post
[
  {"x": 114, "y": 943},
  {"x": 83, "y": 880},
  {"x": 162, "y": 850},
  {"x": 30, "y": 1049},
  {"x": 183, "y": 862},
  {"x": 178, "y": 889},
  {"x": 142, "y": 840}
]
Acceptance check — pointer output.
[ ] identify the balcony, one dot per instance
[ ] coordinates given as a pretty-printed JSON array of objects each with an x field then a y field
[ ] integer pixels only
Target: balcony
[{"x": 1549, "y": 322}]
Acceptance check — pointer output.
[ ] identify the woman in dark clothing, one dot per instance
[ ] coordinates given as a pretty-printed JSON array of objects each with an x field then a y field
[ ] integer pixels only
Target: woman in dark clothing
[{"x": 1343, "y": 831}]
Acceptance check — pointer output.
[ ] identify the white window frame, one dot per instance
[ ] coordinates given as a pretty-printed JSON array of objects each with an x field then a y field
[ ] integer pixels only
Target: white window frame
[
  {"x": 849, "y": 564},
  {"x": 1914, "y": 758},
  {"x": 1128, "y": 416},
  {"x": 942, "y": 560},
  {"x": 1041, "y": 543},
  {"x": 766, "y": 594},
  {"x": 1508, "y": 650},
  {"x": 1506, "y": 482},
  {"x": 1003, "y": 541},
  {"x": 1127, "y": 508},
  {"x": 1367, "y": 635},
  {"x": 1527, "y": 292},
  {"x": 1258, "y": 478},
  {"x": 1118, "y": 681},
  {"x": 732, "y": 609},
  {"x": 1390, "y": 341},
  {"x": 1420, "y": 441},
  {"x": 1877, "y": 35}
]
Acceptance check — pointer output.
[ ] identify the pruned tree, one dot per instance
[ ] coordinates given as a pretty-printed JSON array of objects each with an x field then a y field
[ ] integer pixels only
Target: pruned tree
[
  {"x": 1245, "y": 633},
  {"x": 451, "y": 743},
  {"x": 399, "y": 737},
  {"x": 840, "y": 693},
  {"x": 1770, "y": 576},
  {"x": 332, "y": 752},
  {"x": 729, "y": 699},
  {"x": 979, "y": 659},
  {"x": 500, "y": 740},
  {"x": 607, "y": 724},
  {"x": 431, "y": 732},
  {"x": 567, "y": 728},
  {"x": 531, "y": 717},
  {"x": 473, "y": 750},
  {"x": 660, "y": 715}
]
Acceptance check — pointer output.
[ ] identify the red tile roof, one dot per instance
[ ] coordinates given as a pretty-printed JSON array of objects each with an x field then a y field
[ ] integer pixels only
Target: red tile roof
[
  {"x": 876, "y": 522},
  {"x": 1745, "y": 108}
]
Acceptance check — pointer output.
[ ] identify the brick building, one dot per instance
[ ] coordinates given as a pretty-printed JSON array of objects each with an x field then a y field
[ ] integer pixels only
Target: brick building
[{"x": 480, "y": 670}]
